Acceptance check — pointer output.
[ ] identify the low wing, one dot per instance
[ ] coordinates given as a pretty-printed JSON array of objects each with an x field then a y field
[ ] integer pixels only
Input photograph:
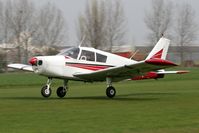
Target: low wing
[
  {"x": 21, "y": 67},
  {"x": 126, "y": 71}
]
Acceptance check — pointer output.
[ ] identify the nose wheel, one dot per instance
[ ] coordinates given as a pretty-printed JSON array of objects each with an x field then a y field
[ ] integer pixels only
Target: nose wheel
[{"x": 46, "y": 90}]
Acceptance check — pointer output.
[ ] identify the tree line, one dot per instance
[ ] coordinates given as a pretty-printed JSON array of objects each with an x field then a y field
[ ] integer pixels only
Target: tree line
[
  {"x": 22, "y": 23},
  {"x": 101, "y": 25},
  {"x": 175, "y": 22},
  {"x": 45, "y": 24}
]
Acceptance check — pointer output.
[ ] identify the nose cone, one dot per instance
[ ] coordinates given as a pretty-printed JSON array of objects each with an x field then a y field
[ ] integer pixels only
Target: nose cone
[{"x": 33, "y": 61}]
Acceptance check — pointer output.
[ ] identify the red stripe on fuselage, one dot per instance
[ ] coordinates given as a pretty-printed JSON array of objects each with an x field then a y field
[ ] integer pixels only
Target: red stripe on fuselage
[{"x": 88, "y": 66}]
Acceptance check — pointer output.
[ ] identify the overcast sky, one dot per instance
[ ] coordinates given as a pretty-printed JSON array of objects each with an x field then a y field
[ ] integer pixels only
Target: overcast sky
[{"x": 134, "y": 11}]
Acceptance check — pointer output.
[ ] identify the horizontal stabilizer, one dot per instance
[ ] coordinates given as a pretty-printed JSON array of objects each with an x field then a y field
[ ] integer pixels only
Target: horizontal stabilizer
[
  {"x": 172, "y": 72},
  {"x": 157, "y": 75}
]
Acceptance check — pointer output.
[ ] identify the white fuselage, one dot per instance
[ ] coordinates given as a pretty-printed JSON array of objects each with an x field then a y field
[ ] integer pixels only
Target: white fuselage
[{"x": 64, "y": 66}]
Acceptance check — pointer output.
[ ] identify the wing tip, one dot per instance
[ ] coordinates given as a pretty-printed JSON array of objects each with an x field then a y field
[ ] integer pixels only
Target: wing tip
[{"x": 182, "y": 72}]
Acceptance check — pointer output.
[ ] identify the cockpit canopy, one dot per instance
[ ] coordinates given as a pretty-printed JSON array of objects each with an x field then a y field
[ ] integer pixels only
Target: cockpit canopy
[
  {"x": 84, "y": 54},
  {"x": 71, "y": 52}
]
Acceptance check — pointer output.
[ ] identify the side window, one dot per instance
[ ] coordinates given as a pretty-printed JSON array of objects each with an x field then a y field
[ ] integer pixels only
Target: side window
[
  {"x": 101, "y": 58},
  {"x": 87, "y": 55}
]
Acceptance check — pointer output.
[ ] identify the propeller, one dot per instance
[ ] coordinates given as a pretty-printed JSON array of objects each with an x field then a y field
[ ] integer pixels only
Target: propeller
[{"x": 33, "y": 61}]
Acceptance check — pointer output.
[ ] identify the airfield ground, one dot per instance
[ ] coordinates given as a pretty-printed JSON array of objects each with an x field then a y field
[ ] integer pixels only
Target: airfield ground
[{"x": 169, "y": 105}]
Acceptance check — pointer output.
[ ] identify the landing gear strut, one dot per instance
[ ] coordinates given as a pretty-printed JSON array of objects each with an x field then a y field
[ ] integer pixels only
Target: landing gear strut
[
  {"x": 110, "y": 91},
  {"x": 61, "y": 91},
  {"x": 46, "y": 90}
]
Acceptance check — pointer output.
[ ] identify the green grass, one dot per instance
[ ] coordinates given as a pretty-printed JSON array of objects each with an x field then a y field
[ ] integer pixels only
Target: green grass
[{"x": 169, "y": 105}]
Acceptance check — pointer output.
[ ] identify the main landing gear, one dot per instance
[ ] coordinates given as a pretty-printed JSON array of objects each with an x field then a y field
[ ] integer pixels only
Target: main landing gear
[
  {"x": 61, "y": 91},
  {"x": 110, "y": 91}
]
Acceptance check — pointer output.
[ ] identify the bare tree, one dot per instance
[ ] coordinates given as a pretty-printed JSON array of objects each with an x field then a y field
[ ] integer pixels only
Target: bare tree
[
  {"x": 21, "y": 16},
  {"x": 92, "y": 23},
  {"x": 3, "y": 23},
  {"x": 16, "y": 17},
  {"x": 186, "y": 28},
  {"x": 43, "y": 26},
  {"x": 4, "y": 31},
  {"x": 2, "y": 61},
  {"x": 115, "y": 34},
  {"x": 51, "y": 26},
  {"x": 158, "y": 19},
  {"x": 102, "y": 24}
]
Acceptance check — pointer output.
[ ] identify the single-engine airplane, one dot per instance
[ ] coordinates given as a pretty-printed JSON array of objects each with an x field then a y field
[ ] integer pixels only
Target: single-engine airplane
[{"x": 90, "y": 65}]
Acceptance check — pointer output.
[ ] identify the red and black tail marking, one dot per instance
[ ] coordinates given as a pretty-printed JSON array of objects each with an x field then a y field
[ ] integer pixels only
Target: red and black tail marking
[
  {"x": 160, "y": 49},
  {"x": 158, "y": 54}
]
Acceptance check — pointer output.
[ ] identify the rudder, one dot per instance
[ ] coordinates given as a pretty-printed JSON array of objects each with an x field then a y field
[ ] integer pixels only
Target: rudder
[{"x": 160, "y": 50}]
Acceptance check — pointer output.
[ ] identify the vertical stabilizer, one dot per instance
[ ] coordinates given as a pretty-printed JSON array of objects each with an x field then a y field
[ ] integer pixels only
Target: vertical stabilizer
[{"x": 160, "y": 50}]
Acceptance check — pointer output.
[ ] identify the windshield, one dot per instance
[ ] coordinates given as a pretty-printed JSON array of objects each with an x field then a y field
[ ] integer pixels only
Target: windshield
[{"x": 72, "y": 52}]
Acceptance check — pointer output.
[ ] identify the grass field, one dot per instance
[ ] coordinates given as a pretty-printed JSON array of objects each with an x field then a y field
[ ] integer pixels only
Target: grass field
[{"x": 169, "y": 105}]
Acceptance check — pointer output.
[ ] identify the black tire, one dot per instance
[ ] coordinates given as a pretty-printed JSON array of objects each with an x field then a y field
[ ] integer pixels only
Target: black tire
[
  {"x": 61, "y": 92},
  {"x": 110, "y": 92},
  {"x": 44, "y": 92}
]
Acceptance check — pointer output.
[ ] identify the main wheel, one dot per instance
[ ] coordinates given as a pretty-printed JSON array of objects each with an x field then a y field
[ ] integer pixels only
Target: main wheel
[
  {"x": 45, "y": 92},
  {"x": 110, "y": 92},
  {"x": 61, "y": 92}
]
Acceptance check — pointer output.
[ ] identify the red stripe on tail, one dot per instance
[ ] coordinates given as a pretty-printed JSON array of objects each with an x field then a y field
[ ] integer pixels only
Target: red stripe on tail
[{"x": 158, "y": 54}]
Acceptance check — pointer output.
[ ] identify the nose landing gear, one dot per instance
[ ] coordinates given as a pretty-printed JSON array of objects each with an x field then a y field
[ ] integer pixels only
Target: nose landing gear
[{"x": 46, "y": 90}]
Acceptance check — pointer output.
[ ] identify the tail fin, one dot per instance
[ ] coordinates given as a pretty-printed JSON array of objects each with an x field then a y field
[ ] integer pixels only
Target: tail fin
[{"x": 160, "y": 50}]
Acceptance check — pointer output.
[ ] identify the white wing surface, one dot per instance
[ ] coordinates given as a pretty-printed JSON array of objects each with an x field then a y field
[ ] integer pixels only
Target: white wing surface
[{"x": 21, "y": 67}]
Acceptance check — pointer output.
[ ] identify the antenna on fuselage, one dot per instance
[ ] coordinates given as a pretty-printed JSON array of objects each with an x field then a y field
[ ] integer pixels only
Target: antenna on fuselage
[{"x": 80, "y": 44}]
